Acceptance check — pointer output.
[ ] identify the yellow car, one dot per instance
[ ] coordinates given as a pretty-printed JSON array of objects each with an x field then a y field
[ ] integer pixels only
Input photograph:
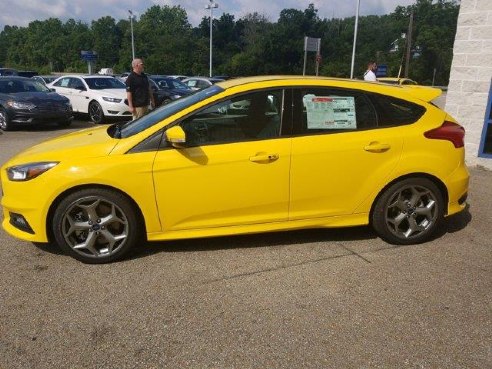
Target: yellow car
[
  {"x": 246, "y": 155},
  {"x": 398, "y": 81}
]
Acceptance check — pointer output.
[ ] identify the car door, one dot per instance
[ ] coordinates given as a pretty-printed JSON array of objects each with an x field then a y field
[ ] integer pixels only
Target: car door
[
  {"x": 62, "y": 87},
  {"x": 235, "y": 170},
  {"x": 80, "y": 95},
  {"x": 339, "y": 155}
]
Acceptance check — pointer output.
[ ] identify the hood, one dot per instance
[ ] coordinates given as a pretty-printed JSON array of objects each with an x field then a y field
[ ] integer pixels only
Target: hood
[
  {"x": 39, "y": 97},
  {"x": 119, "y": 93},
  {"x": 88, "y": 143}
]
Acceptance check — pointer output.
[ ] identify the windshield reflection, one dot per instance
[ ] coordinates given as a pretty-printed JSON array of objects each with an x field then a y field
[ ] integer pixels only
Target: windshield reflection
[{"x": 136, "y": 126}]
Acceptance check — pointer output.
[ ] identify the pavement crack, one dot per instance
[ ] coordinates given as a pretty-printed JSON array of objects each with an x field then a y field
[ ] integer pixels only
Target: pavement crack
[
  {"x": 352, "y": 252},
  {"x": 268, "y": 270}
]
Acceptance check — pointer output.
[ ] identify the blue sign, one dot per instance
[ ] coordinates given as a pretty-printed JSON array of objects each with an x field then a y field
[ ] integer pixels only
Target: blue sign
[
  {"x": 382, "y": 71},
  {"x": 88, "y": 55}
]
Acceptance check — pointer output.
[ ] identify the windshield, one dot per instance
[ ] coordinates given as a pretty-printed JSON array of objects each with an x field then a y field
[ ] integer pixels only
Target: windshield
[
  {"x": 170, "y": 83},
  {"x": 14, "y": 86},
  {"x": 136, "y": 126},
  {"x": 95, "y": 83}
]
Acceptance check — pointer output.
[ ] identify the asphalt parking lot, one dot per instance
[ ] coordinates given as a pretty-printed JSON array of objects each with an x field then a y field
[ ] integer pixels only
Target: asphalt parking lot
[{"x": 306, "y": 299}]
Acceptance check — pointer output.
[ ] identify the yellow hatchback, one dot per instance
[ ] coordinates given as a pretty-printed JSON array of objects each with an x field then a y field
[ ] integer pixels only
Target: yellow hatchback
[{"x": 244, "y": 156}]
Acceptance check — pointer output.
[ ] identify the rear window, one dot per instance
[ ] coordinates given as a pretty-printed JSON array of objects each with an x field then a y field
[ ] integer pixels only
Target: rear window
[{"x": 395, "y": 112}]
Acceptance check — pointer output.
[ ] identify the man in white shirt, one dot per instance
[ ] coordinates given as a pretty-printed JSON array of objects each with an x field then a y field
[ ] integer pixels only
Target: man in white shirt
[{"x": 370, "y": 74}]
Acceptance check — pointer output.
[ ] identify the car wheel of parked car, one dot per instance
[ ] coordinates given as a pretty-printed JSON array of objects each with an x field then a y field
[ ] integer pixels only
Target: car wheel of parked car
[
  {"x": 408, "y": 211},
  {"x": 96, "y": 112},
  {"x": 5, "y": 124},
  {"x": 96, "y": 225}
]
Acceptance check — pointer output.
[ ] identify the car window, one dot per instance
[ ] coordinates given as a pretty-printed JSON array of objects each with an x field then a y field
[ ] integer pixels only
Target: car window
[
  {"x": 327, "y": 110},
  {"x": 157, "y": 115},
  {"x": 63, "y": 82},
  {"x": 34, "y": 86},
  {"x": 178, "y": 84},
  {"x": 247, "y": 117},
  {"x": 394, "y": 112},
  {"x": 76, "y": 83},
  {"x": 104, "y": 83},
  {"x": 202, "y": 84}
]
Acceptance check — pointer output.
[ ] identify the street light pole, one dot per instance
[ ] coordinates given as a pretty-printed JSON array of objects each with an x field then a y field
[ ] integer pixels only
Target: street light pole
[
  {"x": 355, "y": 39},
  {"x": 211, "y": 6},
  {"x": 131, "y": 28}
]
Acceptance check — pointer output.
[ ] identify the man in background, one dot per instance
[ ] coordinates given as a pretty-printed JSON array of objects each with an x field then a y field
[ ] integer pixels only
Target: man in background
[
  {"x": 370, "y": 74},
  {"x": 138, "y": 91}
]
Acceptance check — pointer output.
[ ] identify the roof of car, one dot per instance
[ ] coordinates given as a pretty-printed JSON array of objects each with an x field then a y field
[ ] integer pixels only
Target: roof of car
[
  {"x": 424, "y": 93},
  {"x": 16, "y": 77}
]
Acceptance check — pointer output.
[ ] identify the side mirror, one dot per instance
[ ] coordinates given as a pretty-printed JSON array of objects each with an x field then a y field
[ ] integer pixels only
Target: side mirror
[
  {"x": 81, "y": 88},
  {"x": 176, "y": 137}
]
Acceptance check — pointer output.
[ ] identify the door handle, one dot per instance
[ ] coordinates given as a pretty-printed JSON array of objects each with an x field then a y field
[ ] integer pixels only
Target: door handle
[
  {"x": 264, "y": 158},
  {"x": 377, "y": 147}
]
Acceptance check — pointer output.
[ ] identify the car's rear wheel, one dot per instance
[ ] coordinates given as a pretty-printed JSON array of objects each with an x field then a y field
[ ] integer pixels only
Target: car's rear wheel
[
  {"x": 5, "y": 124},
  {"x": 408, "y": 212},
  {"x": 96, "y": 225},
  {"x": 96, "y": 112}
]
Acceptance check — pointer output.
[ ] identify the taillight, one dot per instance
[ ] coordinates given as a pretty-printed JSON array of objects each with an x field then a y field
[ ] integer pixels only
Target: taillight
[{"x": 448, "y": 131}]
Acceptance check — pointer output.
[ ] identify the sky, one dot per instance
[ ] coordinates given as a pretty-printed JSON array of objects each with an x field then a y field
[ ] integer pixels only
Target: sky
[{"x": 22, "y": 12}]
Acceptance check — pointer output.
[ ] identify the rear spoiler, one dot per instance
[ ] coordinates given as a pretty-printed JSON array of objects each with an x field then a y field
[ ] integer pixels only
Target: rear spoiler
[{"x": 424, "y": 93}]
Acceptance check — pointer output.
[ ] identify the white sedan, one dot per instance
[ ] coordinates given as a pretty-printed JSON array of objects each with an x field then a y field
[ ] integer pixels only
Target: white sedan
[{"x": 99, "y": 96}]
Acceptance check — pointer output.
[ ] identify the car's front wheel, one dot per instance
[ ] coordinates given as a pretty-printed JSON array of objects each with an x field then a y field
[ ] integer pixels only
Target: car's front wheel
[
  {"x": 96, "y": 112},
  {"x": 96, "y": 225},
  {"x": 5, "y": 124},
  {"x": 409, "y": 211}
]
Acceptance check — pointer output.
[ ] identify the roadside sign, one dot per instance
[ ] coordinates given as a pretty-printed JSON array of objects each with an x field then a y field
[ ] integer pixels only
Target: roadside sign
[
  {"x": 88, "y": 55},
  {"x": 382, "y": 70},
  {"x": 311, "y": 44}
]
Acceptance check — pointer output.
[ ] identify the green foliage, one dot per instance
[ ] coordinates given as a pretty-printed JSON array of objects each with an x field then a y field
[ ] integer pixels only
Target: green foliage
[{"x": 251, "y": 45}]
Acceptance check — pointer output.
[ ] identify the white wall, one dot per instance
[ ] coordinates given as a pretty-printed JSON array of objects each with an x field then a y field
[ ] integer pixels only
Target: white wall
[{"x": 471, "y": 74}]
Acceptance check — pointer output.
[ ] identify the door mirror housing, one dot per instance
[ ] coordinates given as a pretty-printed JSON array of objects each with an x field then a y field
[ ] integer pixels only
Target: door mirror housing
[{"x": 176, "y": 137}]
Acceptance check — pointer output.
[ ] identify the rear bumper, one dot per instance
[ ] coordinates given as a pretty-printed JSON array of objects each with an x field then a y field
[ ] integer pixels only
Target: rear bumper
[{"x": 457, "y": 184}]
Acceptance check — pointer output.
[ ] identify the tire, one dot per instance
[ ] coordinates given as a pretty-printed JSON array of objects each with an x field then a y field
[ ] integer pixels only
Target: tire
[
  {"x": 96, "y": 225},
  {"x": 5, "y": 124},
  {"x": 96, "y": 113},
  {"x": 408, "y": 212}
]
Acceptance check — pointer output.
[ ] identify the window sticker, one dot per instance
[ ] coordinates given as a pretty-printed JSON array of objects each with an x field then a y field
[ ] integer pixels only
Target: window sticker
[{"x": 330, "y": 112}]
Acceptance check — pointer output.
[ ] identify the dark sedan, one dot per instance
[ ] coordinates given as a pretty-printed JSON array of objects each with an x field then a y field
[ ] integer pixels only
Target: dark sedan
[
  {"x": 167, "y": 89},
  {"x": 24, "y": 101}
]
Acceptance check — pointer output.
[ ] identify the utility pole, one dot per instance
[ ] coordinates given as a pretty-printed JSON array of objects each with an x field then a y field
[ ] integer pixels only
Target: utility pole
[
  {"x": 355, "y": 39},
  {"x": 409, "y": 45}
]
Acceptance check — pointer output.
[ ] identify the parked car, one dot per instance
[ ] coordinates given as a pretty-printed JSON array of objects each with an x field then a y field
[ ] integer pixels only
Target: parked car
[
  {"x": 244, "y": 156},
  {"x": 24, "y": 101},
  {"x": 398, "y": 81},
  {"x": 199, "y": 83},
  {"x": 8, "y": 72},
  {"x": 99, "y": 96},
  {"x": 178, "y": 76},
  {"x": 45, "y": 79},
  {"x": 167, "y": 89}
]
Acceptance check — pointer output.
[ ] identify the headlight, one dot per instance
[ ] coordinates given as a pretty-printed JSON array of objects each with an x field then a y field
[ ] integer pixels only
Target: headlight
[
  {"x": 174, "y": 97},
  {"x": 29, "y": 171},
  {"x": 112, "y": 99},
  {"x": 20, "y": 105}
]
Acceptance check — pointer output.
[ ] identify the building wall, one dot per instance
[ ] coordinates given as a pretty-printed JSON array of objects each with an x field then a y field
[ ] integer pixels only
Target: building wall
[{"x": 471, "y": 74}]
